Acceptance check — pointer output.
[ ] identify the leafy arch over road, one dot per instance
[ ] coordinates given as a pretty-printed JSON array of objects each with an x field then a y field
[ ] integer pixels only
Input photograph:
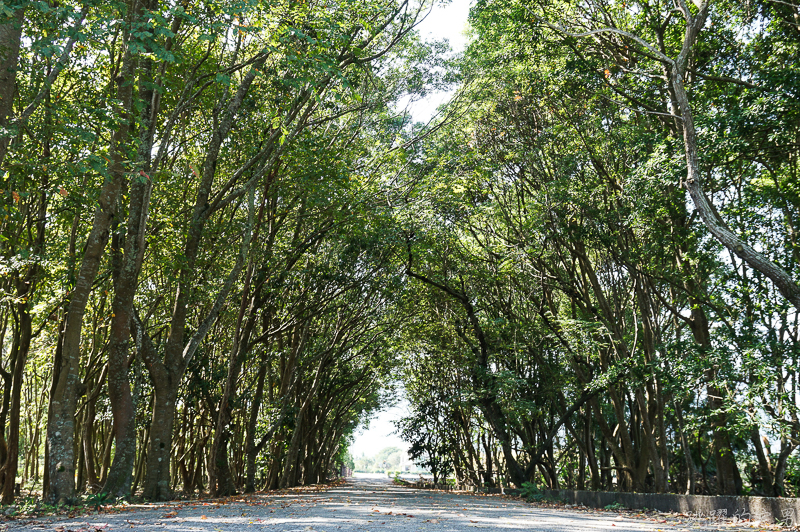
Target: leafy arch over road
[{"x": 223, "y": 247}]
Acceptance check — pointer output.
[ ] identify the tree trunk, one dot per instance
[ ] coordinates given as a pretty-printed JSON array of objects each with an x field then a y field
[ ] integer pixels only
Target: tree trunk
[
  {"x": 251, "y": 451},
  {"x": 126, "y": 277},
  {"x": 63, "y": 399},
  {"x": 87, "y": 438},
  {"x": 10, "y": 40},
  {"x": 87, "y": 435},
  {"x": 768, "y": 481},
  {"x": 19, "y": 356},
  {"x": 691, "y": 470},
  {"x": 728, "y": 480},
  {"x": 157, "y": 477},
  {"x": 715, "y": 225},
  {"x": 220, "y": 481},
  {"x": 289, "y": 477},
  {"x": 781, "y": 464}
]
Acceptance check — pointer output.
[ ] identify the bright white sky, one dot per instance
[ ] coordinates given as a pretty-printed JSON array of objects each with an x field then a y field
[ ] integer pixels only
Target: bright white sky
[
  {"x": 380, "y": 433},
  {"x": 447, "y": 21},
  {"x": 444, "y": 22}
]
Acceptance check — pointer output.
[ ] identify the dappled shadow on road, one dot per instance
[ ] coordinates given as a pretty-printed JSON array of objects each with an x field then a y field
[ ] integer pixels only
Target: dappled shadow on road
[{"x": 357, "y": 505}]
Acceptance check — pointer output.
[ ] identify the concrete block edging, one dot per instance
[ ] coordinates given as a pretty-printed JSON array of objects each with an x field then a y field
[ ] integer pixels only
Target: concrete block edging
[{"x": 759, "y": 509}]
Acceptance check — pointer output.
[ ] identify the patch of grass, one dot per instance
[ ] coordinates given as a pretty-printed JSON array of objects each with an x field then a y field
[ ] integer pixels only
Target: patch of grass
[
  {"x": 96, "y": 500},
  {"x": 32, "y": 506}
]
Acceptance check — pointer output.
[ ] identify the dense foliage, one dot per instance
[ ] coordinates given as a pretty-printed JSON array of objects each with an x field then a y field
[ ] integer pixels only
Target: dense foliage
[
  {"x": 192, "y": 294},
  {"x": 604, "y": 239},
  {"x": 222, "y": 247}
]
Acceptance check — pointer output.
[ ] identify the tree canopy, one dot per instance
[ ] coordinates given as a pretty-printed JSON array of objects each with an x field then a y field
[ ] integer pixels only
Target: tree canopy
[{"x": 225, "y": 244}]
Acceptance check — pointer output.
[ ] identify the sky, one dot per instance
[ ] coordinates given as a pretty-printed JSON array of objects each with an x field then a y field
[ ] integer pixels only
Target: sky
[
  {"x": 380, "y": 434},
  {"x": 444, "y": 22},
  {"x": 447, "y": 22}
]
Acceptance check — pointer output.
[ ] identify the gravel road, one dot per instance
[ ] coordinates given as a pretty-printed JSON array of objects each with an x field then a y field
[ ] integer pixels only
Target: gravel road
[{"x": 371, "y": 504}]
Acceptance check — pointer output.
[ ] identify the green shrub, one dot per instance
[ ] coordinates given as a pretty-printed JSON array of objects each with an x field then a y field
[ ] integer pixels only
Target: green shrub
[
  {"x": 531, "y": 492},
  {"x": 98, "y": 499}
]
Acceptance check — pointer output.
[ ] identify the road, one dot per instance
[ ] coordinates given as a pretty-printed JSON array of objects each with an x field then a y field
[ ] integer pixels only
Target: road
[{"x": 361, "y": 504}]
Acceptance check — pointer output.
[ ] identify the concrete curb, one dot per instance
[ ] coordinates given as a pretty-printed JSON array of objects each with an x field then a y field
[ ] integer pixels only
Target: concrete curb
[
  {"x": 755, "y": 509},
  {"x": 761, "y": 509}
]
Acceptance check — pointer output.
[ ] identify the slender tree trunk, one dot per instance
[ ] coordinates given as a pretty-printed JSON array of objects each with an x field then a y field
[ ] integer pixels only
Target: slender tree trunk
[
  {"x": 10, "y": 40},
  {"x": 140, "y": 460},
  {"x": 289, "y": 477},
  {"x": 63, "y": 399},
  {"x": 108, "y": 436},
  {"x": 781, "y": 464},
  {"x": 19, "y": 357},
  {"x": 87, "y": 439},
  {"x": 691, "y": 470},
  {"x": 488, "y": 476},
  {"x": 220, "y": 481},
  {"x": 126, "y": 277},
  {"x": 596, "y": 479},
  {"x": 728, "y": 479},
  {"x": 763, "y": 464},
  {"x": 251, "y": 451},
  {"x": 88, "y": 433}
]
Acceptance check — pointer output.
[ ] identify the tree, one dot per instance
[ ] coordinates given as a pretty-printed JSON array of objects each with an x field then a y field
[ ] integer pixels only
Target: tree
[{"x": 674, "y": 59}]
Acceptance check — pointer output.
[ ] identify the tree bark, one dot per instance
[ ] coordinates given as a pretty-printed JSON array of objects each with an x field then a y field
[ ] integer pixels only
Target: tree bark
[
  {"x": 251, "y": 450},
  {"x": 781, "y": 464},
  {"x": 63, "y": 399},
  {"x": 10, "y": 39},
  {"x": 768, "y": 481},
  {"x": 126, "y": 278},
  {"x": 167, "y": 374},
  {"x": 694, "y": 185},
  {"x": 19, "y": 356},
  {"x": 157, "y": 477}
]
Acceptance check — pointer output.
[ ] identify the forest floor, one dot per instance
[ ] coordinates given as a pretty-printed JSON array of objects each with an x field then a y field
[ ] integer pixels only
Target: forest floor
[{"x": 371, "y": 504}]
